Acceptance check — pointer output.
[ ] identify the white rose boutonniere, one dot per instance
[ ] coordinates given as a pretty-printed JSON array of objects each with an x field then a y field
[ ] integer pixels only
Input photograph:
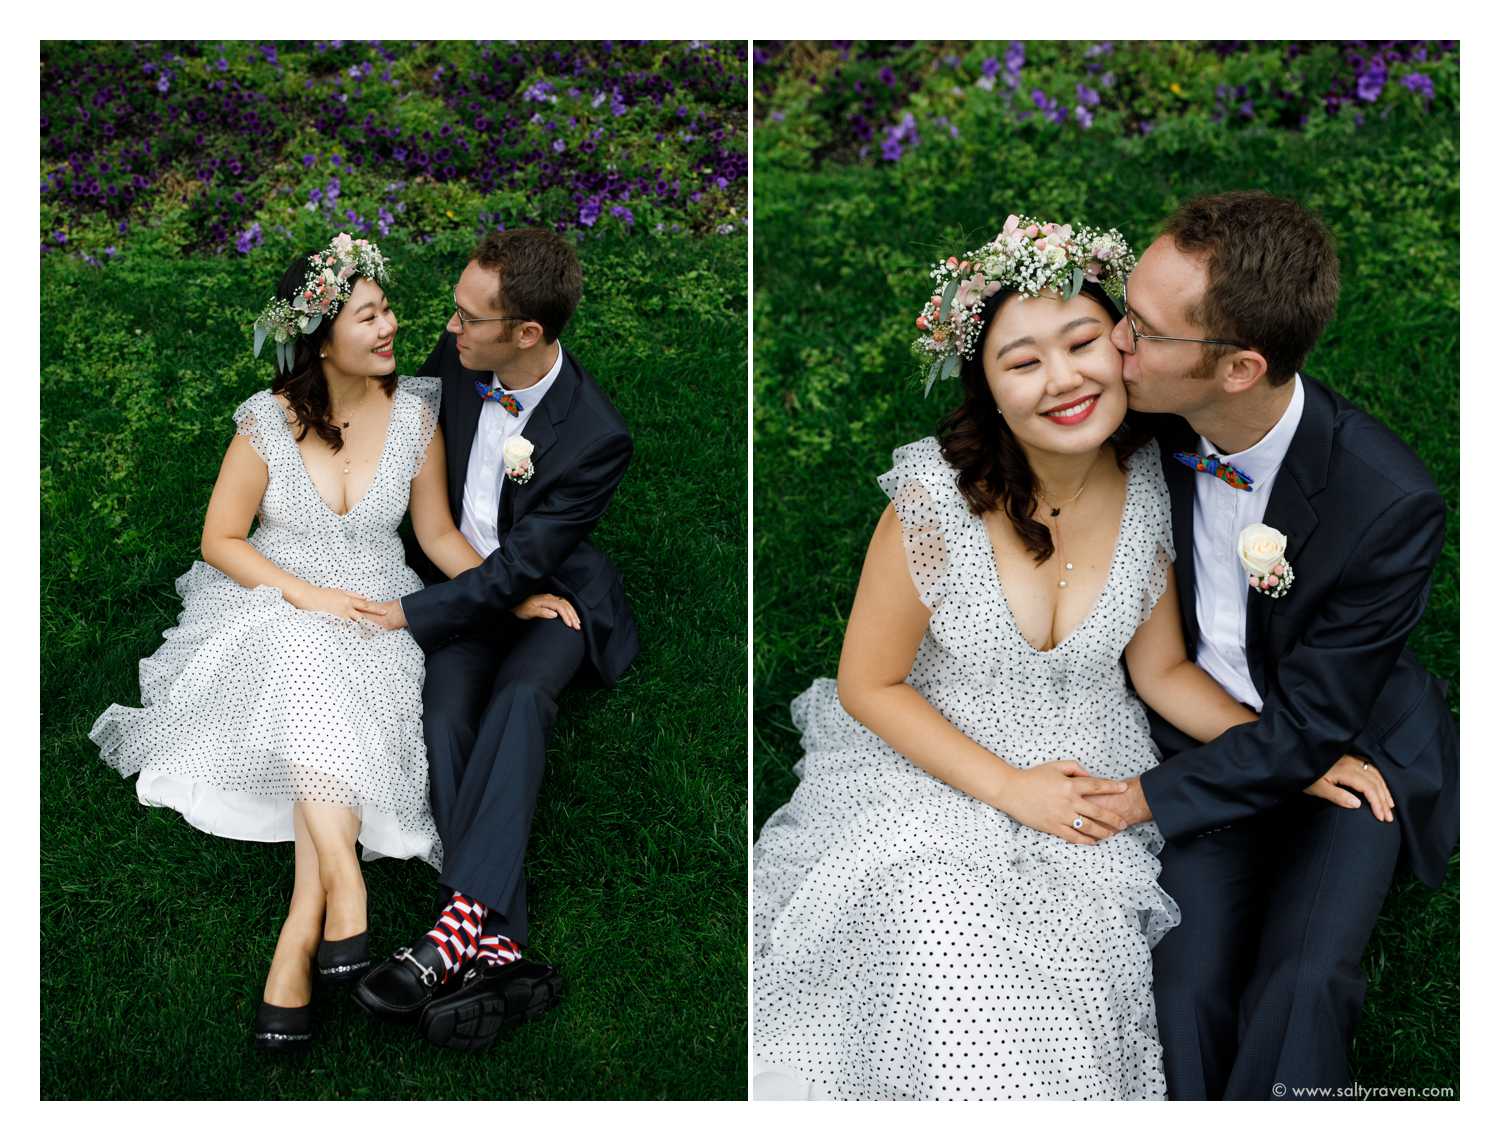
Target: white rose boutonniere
[
  {"x": 1262, "y": 553},
  {"x": 517, "y": 458}
]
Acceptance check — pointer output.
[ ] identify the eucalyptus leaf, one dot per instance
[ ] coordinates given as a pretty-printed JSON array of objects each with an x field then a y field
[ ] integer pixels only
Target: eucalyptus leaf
[
  {"x": 260, "y": 339},
  {"x": 1077, "y": 283},
  {"x": 932, "y": 376},
  {"x": 313, "y": 322},
  {"x": 950, "y": 367},
  {"x": 948, "y": 300}
]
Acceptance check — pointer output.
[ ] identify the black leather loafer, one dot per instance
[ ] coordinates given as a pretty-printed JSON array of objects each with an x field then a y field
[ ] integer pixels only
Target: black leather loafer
[
  {"x": 344, "y": 961},
  {"x": 402, "y": 985},
  {"x": 489, "y": 999},
  {"x": 282, "y": 1029}
]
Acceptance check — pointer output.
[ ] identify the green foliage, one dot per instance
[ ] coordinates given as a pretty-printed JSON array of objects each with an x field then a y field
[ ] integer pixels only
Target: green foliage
[
  {"x": 842, "y": 254},
  {"x": 639, "y": 837}
]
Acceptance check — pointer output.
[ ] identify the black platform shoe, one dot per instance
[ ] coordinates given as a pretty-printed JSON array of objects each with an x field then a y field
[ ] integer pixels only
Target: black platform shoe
[
  {"x": 401, "y": 986},
  {"x": 282, "y": 1029},
  {"x": 489, "y": 999},
  {"x": 343, "y": 961}
]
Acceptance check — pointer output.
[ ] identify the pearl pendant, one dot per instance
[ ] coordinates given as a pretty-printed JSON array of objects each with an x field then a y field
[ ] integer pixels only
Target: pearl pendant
[
  {"x": 1062, "y": 582},
  {"x": 1067, "y": 566}
]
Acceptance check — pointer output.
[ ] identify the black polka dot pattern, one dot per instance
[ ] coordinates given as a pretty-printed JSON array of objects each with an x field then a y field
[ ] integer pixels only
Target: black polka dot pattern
[
  {"x": 251, "y": 704},
  {"x": 912, "y": 942}
]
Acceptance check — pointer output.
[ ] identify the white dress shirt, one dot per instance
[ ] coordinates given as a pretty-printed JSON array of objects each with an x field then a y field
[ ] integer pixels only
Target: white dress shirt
[
  {"x": 486, "y": 475},
  {"x": 1220, "y": 513}
]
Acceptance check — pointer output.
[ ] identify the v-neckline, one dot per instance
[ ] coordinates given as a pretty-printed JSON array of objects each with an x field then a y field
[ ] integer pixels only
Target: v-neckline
[
  {"x": 379, "y": 463},
  {"x": 1109, "y": 577}
]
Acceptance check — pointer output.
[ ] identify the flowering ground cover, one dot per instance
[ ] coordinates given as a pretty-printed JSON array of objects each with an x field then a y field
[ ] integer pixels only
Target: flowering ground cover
[
  {"x": 874, "y": 160},
  {"x": 218, "y": 145},
  {"x": 638, "y": 860}
]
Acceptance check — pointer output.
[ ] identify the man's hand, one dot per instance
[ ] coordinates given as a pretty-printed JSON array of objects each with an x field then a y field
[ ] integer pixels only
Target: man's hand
[
  {"x": 388, "y": 615},
  {"x": 1362, "y": 777},
  {"x": 1129, "y": 805}
]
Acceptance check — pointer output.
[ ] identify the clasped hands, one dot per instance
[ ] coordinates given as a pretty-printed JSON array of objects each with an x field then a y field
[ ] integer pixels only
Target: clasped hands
[
  {"x": 390, "y": 616},
  {"x": 1062, "y": 799}
]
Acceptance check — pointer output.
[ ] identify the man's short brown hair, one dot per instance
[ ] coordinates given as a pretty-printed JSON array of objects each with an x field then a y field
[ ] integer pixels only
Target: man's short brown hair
[
  {"x": 540, "y": 278},
  {"x": 1273, "y": 275}
]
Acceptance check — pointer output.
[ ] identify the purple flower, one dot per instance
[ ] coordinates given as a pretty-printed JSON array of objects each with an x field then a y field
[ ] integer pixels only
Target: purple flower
[
  {"x": 588, "y": 213},
  {"x": 558, "y": 146},
  {"x": 623, "y": 212},
  {"x": 164, "y": 83},
  {"x": 249, "y": 239},
  {"x": 990, "y": 68},
  {"x": 1247, "y": 108},
  {"x": 222, "y": 64},
  {"x": 888, "y": 77},
  {"x": 59, "y": 237},
  {"x": 269, "y": 51},
  {"x": 1084, "y": 116},
  {"x": 890, "y": 149},
  {"x": 1419, "y": 83},
  {"x": 308, "y": 160},
  {"x": 1371, "y": 83},
  {"x": 1015, "y": 56},
  {"x": 1087, "y": 96},
  {"x": 777, "y": 116}
]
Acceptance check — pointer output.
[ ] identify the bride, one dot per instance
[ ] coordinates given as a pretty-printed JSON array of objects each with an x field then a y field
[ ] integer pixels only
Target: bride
[
  {"x": 271, "y": 711},
  {"x": 941, "y": 911}
]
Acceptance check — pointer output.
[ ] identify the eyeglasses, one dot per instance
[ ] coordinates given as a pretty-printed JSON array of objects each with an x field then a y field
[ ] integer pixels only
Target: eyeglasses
[
  {"x": 1136, "y": 335},
  {"x": 464, "y": 320}
]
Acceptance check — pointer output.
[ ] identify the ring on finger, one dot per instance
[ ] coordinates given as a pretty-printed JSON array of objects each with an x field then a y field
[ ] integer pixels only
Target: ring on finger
[{"x": 1078, "y": 823}]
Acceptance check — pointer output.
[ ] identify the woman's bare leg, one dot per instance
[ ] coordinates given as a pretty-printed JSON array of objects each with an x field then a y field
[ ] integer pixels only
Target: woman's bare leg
[
  {"x": 289, "y": 981},
  {"x": 334, "y": 830}
]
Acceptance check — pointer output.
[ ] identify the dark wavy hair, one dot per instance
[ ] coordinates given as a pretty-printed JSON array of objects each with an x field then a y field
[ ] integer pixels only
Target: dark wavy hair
[
  {"x": 305, "y": 387},
  {"x": 993, "y": 473}
]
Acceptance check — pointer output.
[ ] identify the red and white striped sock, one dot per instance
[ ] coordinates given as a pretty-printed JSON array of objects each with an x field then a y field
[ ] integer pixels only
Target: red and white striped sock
[
  {"x": 456, "y": 932},
  {"x": 498, "y": 950}
]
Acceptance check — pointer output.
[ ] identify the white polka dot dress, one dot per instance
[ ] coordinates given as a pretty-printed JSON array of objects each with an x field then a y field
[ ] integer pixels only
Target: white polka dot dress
[
  {"x": 251, "y": 704},
  {"x": 913, "y": 942}
]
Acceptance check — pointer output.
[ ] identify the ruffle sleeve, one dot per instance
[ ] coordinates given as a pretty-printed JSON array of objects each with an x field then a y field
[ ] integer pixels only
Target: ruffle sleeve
[
  {"x": 254, "y": 420},
  {"x": 923, "y": 488},
  {"x": 1153, "y": 509},
  {"x": 428, "y": 394}
]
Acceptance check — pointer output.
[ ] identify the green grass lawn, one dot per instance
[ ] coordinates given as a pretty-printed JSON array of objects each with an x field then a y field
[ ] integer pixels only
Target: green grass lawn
[
  {"x": 841, "y": 257},
  {"x": 637, "y": 862}
]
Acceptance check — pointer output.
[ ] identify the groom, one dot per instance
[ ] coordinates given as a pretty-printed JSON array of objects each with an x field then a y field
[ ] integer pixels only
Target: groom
[
  {"x": 1259, "y": 990},
  {"x": 534, "y": 451}
]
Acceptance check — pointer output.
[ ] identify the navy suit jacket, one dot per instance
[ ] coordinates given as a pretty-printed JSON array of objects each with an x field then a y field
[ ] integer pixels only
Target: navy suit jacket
[
  {"x": 581, "y": 451},
  {"x": 1364, "y": 525}
]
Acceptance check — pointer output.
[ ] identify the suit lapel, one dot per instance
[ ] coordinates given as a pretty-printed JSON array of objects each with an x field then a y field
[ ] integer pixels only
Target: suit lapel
[
  {"x": 1303, "y": 473},
  {"x": 463, "y": 407},
  {"x": 542, "y": 431},
  {"x": 1180, "y": 488}
]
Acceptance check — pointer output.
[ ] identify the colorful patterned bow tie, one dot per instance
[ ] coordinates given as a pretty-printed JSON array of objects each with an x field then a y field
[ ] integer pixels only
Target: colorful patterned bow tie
[
  {"x": 499, "y": 396},
  {"x": 1214, "y": 466}
]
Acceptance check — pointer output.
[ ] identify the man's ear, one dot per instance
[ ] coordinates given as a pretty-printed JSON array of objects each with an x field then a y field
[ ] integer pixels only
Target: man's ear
[{"x": 1240, "y": 371}]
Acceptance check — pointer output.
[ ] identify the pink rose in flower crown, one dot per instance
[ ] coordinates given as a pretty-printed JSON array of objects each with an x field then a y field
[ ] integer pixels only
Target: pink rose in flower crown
[{"x": 970, "y": 292}]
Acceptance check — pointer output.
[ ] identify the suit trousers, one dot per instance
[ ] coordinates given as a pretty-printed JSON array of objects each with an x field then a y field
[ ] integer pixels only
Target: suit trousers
[
  {"x": 488, "y": 709},
  {"x": 1261, "y": 983}
]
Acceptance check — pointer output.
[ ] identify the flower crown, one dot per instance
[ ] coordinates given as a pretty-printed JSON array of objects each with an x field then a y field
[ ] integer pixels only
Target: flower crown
[
  {"x": 1027, "y": 256},
  {"x": 322, "y": 294}
]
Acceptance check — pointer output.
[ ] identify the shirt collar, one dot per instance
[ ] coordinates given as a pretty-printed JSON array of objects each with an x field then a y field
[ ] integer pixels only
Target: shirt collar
[
  {"x": 1262, "y": 460},
  {"x": 531, "y": 397}
]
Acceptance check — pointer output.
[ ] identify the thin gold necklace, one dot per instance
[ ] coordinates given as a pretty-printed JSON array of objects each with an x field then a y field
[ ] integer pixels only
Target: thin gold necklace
[{"x": 1057, "y": 511}]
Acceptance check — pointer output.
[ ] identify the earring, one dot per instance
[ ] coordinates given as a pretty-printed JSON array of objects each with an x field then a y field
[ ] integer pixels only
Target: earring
[{"x": 323, "y": 356}]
